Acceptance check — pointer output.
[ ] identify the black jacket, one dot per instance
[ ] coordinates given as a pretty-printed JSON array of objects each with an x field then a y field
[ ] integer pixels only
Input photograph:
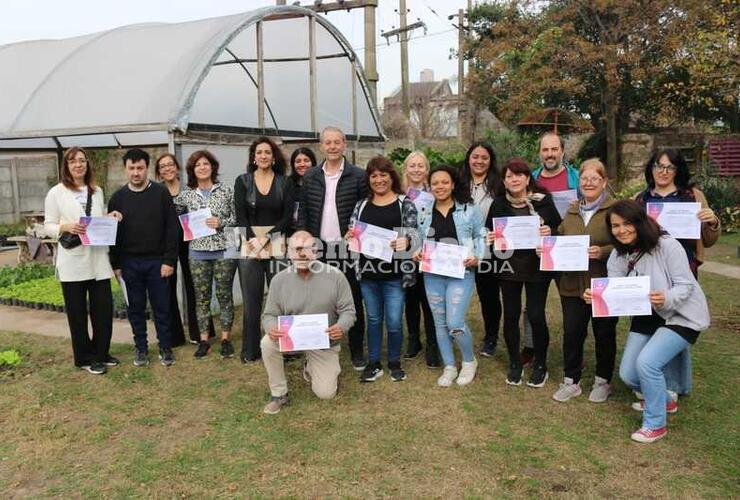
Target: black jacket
[
  {"x": 245, "y": 198},
  {"x": 350, "y": 189},
  {"x": 525, "y": 263}
]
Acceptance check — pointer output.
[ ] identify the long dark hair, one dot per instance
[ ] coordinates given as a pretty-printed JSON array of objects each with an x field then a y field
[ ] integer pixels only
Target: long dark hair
[
  {"x": 382, "y": 164},
  {"x": 460, "y": 191},
  {"x": 278, "y": 165},
  {"x": 302, "y": 151},
  {"x": 66, "y": 176},
  {"x": 648, "y": 231},
  {"x": 519, "y": 166},
  {"x": 190, "y": 167},
  {"x": 677, "y": 160},
  {"x": 492, "y": 176}
]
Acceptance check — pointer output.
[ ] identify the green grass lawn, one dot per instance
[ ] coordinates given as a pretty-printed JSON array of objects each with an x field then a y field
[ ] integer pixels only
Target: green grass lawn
[
  {"x": 725, "y": 250},
  {"x": 196, "y": 430}
]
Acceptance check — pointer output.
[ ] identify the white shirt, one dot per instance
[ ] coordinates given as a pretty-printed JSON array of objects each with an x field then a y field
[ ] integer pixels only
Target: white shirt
[{"x": 329, "y": 217}]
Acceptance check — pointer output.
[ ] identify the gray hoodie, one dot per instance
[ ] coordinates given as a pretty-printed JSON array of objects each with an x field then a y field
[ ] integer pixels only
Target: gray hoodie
[{"x": 668, "y": 268}]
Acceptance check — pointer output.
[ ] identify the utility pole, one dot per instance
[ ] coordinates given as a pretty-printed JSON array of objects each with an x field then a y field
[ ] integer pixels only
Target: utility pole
[
  {"x": 402, "y": 33},
  {"x": 370, "y": 65}
]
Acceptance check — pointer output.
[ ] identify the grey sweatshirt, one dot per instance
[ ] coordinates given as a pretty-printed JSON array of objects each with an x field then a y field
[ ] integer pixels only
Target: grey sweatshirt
[
  {"x": 668, "y": 268},
  {"x": 326, "y": 291}
]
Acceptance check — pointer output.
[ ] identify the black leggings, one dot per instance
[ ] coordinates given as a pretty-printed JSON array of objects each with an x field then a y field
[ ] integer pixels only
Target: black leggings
[
  {"x": 536, "y": 295},
  {"x": 76, "y": 296},
  {"x": 576, "y": 314}
]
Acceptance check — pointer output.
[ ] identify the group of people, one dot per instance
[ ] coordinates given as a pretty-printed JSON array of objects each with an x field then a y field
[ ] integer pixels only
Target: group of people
[{"x": 314, "y": 213}]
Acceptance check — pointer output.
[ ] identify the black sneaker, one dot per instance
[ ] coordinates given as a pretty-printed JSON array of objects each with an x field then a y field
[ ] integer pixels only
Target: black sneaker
[
  {"x": 227, "y": 349},
  {"x": 246, "y": 360},
  {"x": 539, "y": 376},
  {"x": 371, "y": 373},
  {"x": 141, "y": 358},
  {"x": 514, "y": 377},
  {"x": 397, "y": 373},
  {"x": 358, "y": 364},
  {"x": 488, "y": 349},
  {"x": 111, "y": 361},
  {"x": 204, "y": 347},
  {"x": 96, "y": 368},
  {"x": 413, "y": 350},
  {"x": 166, "y": 357}
]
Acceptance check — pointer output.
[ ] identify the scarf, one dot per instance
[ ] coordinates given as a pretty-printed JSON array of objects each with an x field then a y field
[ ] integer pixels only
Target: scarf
[
  {"x": 584, "y": 207},
  {"x": 525, "y": 201}
]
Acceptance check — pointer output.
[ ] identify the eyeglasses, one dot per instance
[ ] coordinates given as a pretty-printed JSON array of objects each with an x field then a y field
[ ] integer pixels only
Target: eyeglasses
[
  {"x": 591, "y": 180},
  {"x": 664, "y": 168},
  {"x": 167, "y": 165},
  {"x": 75, "y": 161}
]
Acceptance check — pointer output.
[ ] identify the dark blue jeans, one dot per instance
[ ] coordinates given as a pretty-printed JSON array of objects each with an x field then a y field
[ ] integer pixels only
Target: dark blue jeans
[
  {"x": 142, "y": 278},
  {"x": 383, "y": 301}
]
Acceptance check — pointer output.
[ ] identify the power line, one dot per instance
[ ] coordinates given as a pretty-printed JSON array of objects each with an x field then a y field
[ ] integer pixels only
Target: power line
[{"x": 419, "y": 37}]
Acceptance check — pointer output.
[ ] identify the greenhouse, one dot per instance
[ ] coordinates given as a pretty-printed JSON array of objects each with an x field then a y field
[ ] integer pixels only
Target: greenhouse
[{"x": 284, "y": 72}]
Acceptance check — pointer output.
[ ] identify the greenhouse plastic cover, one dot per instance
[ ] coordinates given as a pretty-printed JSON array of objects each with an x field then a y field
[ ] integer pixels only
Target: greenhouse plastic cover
[{"x": 164, "y": 77}]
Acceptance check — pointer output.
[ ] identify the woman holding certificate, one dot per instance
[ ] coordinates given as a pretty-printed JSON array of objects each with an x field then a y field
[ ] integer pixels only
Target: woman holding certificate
[
  {"x": 480, "y": 173},
  {"x": 206, "y": 254},
  {"x": 383, "y": 275},
  {"x": 588, "y": 217},
  {"x": 415, "y": 182},
  {"x": 264, "y": 207},
  {"x": 667, "y": 176},
  {"x": 679, "y": 310},
  {"x": 84, "y": 271},
  {"x": 520, "y": 215},
  {"x": 453, "y": 244}
]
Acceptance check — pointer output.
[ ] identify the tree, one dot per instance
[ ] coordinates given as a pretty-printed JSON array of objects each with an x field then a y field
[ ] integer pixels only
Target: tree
[{"x": 611, "y": 61}]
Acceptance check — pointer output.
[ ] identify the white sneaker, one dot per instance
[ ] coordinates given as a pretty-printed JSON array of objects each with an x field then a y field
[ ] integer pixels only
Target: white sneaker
[
  {"x": 467, "y": 372},
  {"x": 449, "y": 374},
  {"x": 567, "y": 390},
  {"x": 600, "y": 391}
]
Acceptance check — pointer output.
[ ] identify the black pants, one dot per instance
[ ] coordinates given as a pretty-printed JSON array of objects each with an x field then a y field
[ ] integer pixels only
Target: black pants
[
  {"x": 488, "y": 288},
  {"x": 336, "y": 254},
  {"x": 76, "y": 296},
  {"x": 536, "y": 294},
  {"x": 576, "y": 314},
  {"x": 143, "y": 279},
  {"x": 416, "y": 306},
  {"x": 253, "y": 273},
  {"x": 178, "y": 333}
]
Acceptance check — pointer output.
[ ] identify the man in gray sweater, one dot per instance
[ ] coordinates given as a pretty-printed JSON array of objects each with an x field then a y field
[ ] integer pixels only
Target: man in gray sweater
[{"x": 306, "y": 287}]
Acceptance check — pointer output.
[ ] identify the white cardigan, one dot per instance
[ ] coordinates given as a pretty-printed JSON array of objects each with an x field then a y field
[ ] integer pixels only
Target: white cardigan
[{"x": 84, "y": 262}]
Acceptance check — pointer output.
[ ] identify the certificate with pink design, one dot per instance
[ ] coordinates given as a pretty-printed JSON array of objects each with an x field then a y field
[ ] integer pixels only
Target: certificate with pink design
[
  {"x": 194, "y": 224},
  {"x": 303, "y": 332},
  {"x": 681, "y": 220},
  {"x": 517, "y": 233},
  {"x": 564, "y": 253},
  {"x": 372, "y": 241},
  {"x": 99, "y": 231},
  {"x": 626, "y": 296},
  {"x": 443, "y": 259}
]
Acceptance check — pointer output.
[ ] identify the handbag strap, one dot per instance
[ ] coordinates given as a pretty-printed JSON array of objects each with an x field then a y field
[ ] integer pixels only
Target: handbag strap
[{"x": 88, "y": 205}]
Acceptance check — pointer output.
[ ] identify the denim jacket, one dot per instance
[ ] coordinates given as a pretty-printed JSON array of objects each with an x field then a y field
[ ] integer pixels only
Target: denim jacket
[
  {"x": 408, "y": 230},
  {"x": 468, "y": 225}
]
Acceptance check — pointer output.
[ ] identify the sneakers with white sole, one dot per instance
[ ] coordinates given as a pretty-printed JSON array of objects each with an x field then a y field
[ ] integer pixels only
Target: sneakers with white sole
[
  {"x": 643, "y": 435},
  {"x": 600, "y": 391},
  {"x": 467, "y": 372},
  {"x": 568, "y": 389},
  {"x": 670, "y": 407},
  {"x": 449, "y": 374}
]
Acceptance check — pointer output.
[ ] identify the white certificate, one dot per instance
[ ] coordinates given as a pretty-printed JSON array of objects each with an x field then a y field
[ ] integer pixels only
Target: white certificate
[
  {"x": 564, "y": 253},
  {"x": 304, "y": 332},
  {"x": 563, "y": 199},
  {"x": 194, "y": 224},
  {"x": 99, "y": 231},
  {"x": 517, "y": 233},
  {"x": 422, "y": 199},
  {"x": 443, "y": 259},
  {"x": 681, "y": 220},
  {"x": 372, "y": 241},
  {"x": 621, "y": 296}
]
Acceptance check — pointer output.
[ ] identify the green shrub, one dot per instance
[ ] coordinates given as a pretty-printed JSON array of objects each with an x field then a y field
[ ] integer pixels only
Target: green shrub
[
  {"x": 25, "y": 272},
  {"x": 509, "y": 144},
  {"x": 16, "y": 229},
  {"x": 9, "y": 358},
  {"x": 723, "y": 196},
  {"x": 49, "y": 291},
  {"x": 435, "y": 157}
]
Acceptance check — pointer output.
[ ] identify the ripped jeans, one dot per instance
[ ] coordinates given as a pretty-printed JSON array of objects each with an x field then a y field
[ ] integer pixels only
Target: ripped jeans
[{"x": 449, "y": 299}]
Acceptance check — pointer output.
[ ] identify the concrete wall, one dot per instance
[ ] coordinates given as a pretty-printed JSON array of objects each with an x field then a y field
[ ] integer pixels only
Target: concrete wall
[{"x": 24, "y": 181}]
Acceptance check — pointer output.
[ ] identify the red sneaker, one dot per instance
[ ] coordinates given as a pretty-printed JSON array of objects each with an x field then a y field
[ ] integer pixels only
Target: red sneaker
[
  {"x": 643, "y": 435},
  {"x": 670, "y": 407}
]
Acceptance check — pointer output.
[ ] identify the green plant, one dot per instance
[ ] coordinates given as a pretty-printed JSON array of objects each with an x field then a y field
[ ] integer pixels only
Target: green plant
[
  {"x": 723, "y": 196},
  {"x": 9, "y": 358},
  {"x": 25, "y": 272},
  {"x": 436, "y": 157},
  {"x": 15, "y": 229},
  {"x": 629, "y": 189},
  {"x": 509, "y": 144}
]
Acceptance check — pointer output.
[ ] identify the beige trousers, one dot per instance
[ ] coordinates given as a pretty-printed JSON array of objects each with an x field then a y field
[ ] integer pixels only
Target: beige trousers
[{"x": 322, "y": 367}]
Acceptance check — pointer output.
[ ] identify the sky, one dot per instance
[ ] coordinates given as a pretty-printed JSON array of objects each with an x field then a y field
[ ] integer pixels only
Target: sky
[{"x": 47, "y": 19}]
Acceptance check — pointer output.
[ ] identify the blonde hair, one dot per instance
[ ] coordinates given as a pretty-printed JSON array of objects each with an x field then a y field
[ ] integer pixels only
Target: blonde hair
[
  {"x": 405, "y": 164},
  {"x": 593, "y": 164}
]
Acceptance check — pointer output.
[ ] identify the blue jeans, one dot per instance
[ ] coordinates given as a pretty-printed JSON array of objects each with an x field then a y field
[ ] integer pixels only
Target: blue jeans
[
  {"x": 383, "y": 299},
  {"x": 449, "y": 299},
  {"x": 643, "y": 360},
  {"x": 143, "y": 277}
]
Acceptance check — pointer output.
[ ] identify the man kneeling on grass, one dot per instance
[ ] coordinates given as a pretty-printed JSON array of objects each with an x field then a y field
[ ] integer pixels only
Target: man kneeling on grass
[{"x": 308, "y": 286}]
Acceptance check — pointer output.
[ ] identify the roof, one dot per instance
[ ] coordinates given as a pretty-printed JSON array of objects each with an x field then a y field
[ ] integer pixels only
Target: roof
[
  {"x": 158, "y": 77},
  {"x": 419, "y": 90}
]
